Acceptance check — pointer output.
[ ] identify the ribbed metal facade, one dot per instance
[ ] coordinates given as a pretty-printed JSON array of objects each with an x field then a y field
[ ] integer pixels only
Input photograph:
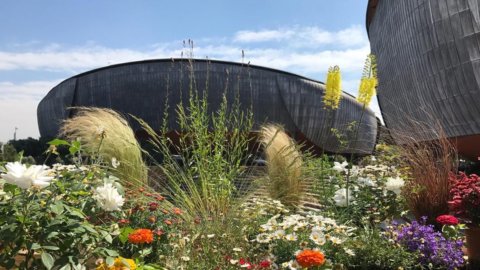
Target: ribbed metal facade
[
  {"x": 141, "y": 88},
  {"x": 428, "y": 54}
]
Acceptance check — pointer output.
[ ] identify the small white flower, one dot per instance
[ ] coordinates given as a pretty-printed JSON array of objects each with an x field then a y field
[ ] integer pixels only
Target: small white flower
[
  {"x": 210, "y": 235},
  {"x": 340, "y": 197},
  {"x": 394, "y": 184},
  {"x": 232, "y": 261},
  {"x": 108, "y": 198},
  {"x": 115, "y": 163},
  {"x": 339, "y": 167},
  {"x": 335, "y": 240},
  {"x": 18, "y": 174},
  {"x": 279, "y": 234},
  {"x": 237, "y": 249},
  {"x": 349, "y": 251},
  {"x": 291, "y": 237},
  {"x": 318, "y": 237},
  {"x": 263, "y": 238},
  {"x": 185, "y": 258},
  {"x": 293, "y": 265}
]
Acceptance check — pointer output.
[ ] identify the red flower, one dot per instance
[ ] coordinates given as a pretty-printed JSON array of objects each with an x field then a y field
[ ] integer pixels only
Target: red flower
[
  {"x": 447, "y": 220},
  {"x": 123, "y": 221},
  {"x": 152, "y": 206},
  {"x": 141, "y": 236},
  {"x": 310, "y": 258},
  {"x": 264, "y": 264},
  {"x": 177, "y": 211},
  {"x": 168, "y": 221}
]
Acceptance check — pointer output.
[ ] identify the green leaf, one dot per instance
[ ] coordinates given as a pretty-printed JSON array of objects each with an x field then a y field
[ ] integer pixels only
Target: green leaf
[
  {"x": 50, "y": 247},
  {"x": 35, "y": 246},
  {"x": 47, "y": 260},
  {"x": 111, "y": 252},
  {"x": 110, "y": 261},
  {"x": 75, "y": 147},
  {"x": 124, "y": 232},
  {"x": 58, "y": 142},
  {"x": 66, "y": 267},
  {"x": 52, "y": 235},
  {"x": 108, "y": 238},
  {"x": 57, "y": 208}
]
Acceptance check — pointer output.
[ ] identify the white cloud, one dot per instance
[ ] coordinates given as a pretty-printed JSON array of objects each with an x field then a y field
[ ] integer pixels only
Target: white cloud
[
  {"x": 306, "y": 37},
  {"x": 33, "y": 90},
  {"x": 263, "y": 35}
]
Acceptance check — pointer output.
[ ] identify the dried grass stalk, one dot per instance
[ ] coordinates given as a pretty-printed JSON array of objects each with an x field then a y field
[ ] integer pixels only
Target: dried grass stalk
[
  {"x": 105, "y": 133},
  {"x": 284, "y": 165},
  {"x": 429, "y": 163}
]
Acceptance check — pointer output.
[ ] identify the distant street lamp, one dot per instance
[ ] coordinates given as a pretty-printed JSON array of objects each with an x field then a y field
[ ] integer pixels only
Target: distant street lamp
[{"x": 15, "y": 134}]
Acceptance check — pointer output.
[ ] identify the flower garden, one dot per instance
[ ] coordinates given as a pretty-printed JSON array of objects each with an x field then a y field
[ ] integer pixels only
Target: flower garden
[{"x": 112, "y": 205}]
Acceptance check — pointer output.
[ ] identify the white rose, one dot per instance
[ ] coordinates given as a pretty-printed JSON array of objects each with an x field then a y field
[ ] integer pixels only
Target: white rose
[
  {"x": 395, "y": 184},
  {"x": 108, "y": 198},
  {"x": 35, "y": 175}
]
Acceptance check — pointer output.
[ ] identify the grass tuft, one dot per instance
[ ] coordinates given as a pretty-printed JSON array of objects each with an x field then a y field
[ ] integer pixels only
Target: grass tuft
[
  {"x": 284, "y": 165},
  {"x": 106, "y": 134}
]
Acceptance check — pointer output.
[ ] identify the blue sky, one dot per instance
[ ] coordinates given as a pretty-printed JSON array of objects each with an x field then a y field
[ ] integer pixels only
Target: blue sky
[{"x": 45, "y": 42}]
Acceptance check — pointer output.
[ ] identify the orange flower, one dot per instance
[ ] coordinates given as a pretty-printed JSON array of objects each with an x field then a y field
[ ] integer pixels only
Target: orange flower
[
  {"x": 177, "y": 211},
  {"x": 141, "y": 236},
  {"x": 309, "y": 258},
  {"x": 168, "y": 221}
]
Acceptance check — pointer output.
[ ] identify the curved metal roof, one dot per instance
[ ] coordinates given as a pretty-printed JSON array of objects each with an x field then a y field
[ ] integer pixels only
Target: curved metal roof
[{"x": 140, "y": 88}]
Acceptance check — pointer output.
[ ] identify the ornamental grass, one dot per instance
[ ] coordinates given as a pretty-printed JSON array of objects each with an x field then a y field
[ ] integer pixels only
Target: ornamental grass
[
  {"x": 106, "y": 134},
  {"x": 428, "y": 165},
  {"x": 284, "y": 165}
]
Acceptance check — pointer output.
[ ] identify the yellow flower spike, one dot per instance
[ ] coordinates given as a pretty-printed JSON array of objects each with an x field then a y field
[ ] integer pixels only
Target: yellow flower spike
[
  {"x": 369, "y": 81},
  {"x": 333, "y": 88}
]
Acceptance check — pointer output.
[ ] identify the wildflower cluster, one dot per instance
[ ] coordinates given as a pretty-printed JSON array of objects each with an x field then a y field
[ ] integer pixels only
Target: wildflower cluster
[
  {"x": 433, "y": 248},
  {"x": 284, "y": 235},
  {"x": 372, "y": 193},
  {"x": 465, "y": 197}
]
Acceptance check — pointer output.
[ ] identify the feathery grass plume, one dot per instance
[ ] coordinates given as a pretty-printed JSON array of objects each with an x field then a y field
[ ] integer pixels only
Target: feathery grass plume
[
  {"x": 333, "y": 88},
  {"x": 428, "y": 163},
  {"x": 284, "y": 165},
  {"x": 369, "y": 81},
  {"x": 105, "y": 133}
]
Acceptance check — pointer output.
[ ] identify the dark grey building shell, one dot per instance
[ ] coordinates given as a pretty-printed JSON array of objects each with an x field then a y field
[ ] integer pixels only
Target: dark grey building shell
[
  {"x": 428, "y": 54},
  {"x": 141, "y": 88}
]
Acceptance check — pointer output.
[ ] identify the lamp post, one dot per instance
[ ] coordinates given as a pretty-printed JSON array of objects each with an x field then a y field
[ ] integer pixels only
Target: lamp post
[{"x": 15, "y": 134}]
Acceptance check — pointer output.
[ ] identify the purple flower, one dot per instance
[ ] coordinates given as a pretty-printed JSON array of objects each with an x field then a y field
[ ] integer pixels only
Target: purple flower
[{"x": 432, "y": 246}]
